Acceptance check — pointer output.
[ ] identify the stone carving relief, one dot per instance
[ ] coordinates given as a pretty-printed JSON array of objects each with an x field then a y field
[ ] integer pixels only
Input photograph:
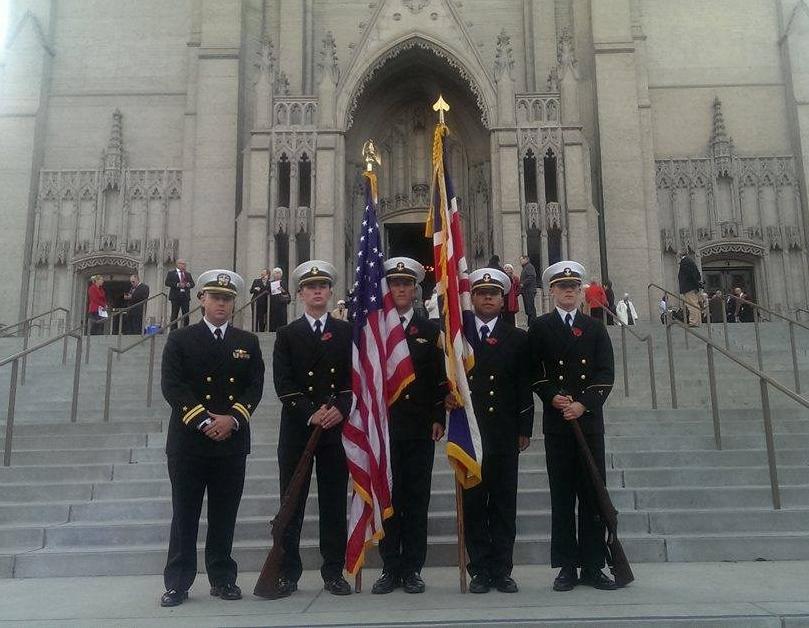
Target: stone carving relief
[
  {"x": 504, "y": 57},
  {"x": 667, "y": 241},
  {"x": 281, "y": 220},
  {"x": 415, "y": 6},
  {"x": 329, "y": 68}
]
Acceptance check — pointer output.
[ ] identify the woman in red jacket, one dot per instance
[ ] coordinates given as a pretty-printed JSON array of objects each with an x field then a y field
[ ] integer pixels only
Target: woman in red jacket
[
  {"x": 512, "y": 305},
  {"x": 96, "y": 305}
]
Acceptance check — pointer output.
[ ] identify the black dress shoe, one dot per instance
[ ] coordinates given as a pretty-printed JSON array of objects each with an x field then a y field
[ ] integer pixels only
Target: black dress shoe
[
  {"x": 413, "y": 583},
  {"x": 566, "y": 580},
  {"x": 338, "y": 586},
  {"x": 595, "y": 578},
  {"x": 227, "y": 592},
  {"x": 479, "y": 584},
  {"x": 386, "y": 584},
  {"x": 286, "y": 587},
  {"x": 173, "y": 597},
  {"x": 505, "y": 584}
]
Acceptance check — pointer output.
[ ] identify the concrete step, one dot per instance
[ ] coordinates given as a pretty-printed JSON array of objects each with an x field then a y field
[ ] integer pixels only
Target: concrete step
[
  {"x": 728, "y": 521},
  {"x": 722, "y": 477},
  {"x": 156, "y": 508},
  {"x": 18, "y": 514},
  {"x": 56, "y": 473},
  {"x": 21, "y": 538},
  {"x": 150, "y": 560},
  {"x": 707, "y": 458},
  {"x": 725, "y": 497},
  {"x": 67, "y": 456},
  {"x": 440, "y": 523}
]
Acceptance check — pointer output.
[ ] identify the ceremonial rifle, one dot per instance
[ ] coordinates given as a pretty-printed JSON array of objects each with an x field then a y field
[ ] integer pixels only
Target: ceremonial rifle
[
  {"x": 616, "y": 558},
  {"x": 267, "y": 584}
]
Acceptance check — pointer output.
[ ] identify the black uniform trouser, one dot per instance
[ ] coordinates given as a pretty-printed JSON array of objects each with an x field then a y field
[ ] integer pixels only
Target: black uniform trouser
[
  {"x": 176, "y": 307},
  {"x": 530, "y": 306},
  {"x": 134, "y": 321},
  {"x": 190, "y": 476},
  {"x": 261, "y": 314},
  {"x": 490, "y": 516},
  {"x": 404, "y": 547},
  {"x": 569, "y": 479},
  {"x": 332, "y": 494}
]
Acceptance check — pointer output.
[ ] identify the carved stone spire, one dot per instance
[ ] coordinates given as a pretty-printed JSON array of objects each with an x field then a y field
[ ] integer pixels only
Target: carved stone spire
[
  {"x": 113, "y": 159},
  {"x": 264, "y": 84},
  {"x": 568, "y": 76},
  {"x": 329, "y": 76},
  {"x": 329, "y": 69},
  {"x": 504, "y": 58},
  {"x": 721, "y": 145},
  {"x": 504, "y": 78}
]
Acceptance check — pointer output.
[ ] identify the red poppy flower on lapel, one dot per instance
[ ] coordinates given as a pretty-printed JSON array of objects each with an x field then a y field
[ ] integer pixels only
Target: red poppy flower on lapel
[
  {"x": 491, "y": 341},
  {"x": 576, "y": 331},
  {"x": 326, "y": 337},
  {"x": 413, "y": 330}
]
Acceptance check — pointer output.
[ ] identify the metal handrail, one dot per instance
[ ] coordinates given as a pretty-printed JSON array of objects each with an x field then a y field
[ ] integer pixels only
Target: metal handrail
[
  {"x": 27, "y": 321},
  {"x": 686, "y": 305},
  {"x": 769, "y": 311},
  {"x": 250, "y": 303},
  {"x": 647, "y": 338},
  {"x": 756, "y": 320},
  {"x": 151, "y": 338},
  {"x": 122, "y": 313},
  {"x": 764, "y": 381},
  {"x": 76, "y": 333}
]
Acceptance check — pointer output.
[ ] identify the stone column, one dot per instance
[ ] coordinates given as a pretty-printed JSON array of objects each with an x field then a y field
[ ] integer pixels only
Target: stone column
[
  {"x": 23, "y": 114},
  {"x": 209, "y": 242},
  {"x": 623, "y": 165},
  {"x": 291, "y": 42},
  {"x": 253, "y": 223}
]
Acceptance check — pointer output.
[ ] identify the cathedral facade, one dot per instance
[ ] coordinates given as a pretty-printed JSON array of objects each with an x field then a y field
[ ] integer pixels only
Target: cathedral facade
[{"x": 229, "y": 133}]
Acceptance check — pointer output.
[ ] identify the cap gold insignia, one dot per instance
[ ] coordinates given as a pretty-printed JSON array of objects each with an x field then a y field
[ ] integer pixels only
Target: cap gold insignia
[
  {"x": 314, "y": 270},
  {"x": 223, "y": 279},
  {"x": 567, "y": 272},
  {"x": 400, "y": 266},
  {"x": 487, "y": 277}
]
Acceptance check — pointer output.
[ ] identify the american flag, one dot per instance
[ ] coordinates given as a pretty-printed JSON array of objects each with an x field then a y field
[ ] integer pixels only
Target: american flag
[
  {"x": 464, "y": 446},
  {"x": 381, "y": 370}
]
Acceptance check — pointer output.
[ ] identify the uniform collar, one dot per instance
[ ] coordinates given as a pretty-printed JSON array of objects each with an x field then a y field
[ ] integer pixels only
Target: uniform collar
[
  {"x": 408, "y": 316},
  {"x": 491, "y": 324},
  {"x": 213, "y": 328},
  {"x": 564, "y": 313},
  {"x": 311, "y": 320}
]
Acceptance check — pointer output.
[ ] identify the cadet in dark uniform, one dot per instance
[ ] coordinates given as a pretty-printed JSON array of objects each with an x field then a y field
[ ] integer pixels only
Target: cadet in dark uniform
[
  {"x": 504, "y": 407},
  {"x": 312, "y": 362},
  {"x": 213, "y": 377},
  {"x": 575, "y": 373},
  {"x": 416, "y": 422}
]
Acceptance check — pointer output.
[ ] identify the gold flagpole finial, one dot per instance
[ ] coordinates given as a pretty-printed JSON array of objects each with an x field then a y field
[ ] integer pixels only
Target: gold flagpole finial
[
  {"x": 440, "y": 106},
  {"x": 370, "y": 155}
]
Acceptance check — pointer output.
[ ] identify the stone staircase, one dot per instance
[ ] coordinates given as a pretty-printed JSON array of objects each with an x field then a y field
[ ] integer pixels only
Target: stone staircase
[{"x": 93, "y": 498}]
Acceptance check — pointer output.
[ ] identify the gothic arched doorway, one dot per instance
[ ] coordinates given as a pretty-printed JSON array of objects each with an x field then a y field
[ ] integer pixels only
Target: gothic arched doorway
[{"x": 395, "y": 110}]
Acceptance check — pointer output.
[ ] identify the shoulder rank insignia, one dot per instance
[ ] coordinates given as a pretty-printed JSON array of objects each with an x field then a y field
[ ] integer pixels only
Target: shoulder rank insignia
[
  {"x": 421, "y": 340},
  {"x": 241, "y": 354}
]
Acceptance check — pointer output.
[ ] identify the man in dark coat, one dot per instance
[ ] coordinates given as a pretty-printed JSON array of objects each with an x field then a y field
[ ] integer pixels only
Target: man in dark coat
[
  {"x": 260, "y": 294},
  {"x": 690, "y": 284},
  {"x": 416, "y": 423},
  {"x": 213, "y": 378},
  {"x": 528, "y": 288},
  {"x": 500, "y": 385},
  {"x": 138, "y": 293},
  {"x": 575, "y": 372},
  {"x": 312, "y": 375},
  {"x": 179, "y": 282}
]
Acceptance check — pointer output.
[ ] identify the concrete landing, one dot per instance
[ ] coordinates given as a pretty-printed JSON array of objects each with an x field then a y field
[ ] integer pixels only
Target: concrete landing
[{"x": 670, "y": 594}]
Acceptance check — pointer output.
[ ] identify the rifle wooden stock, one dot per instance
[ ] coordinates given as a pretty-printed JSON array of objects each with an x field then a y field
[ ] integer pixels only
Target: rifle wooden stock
[
  {"x": 616, "y": 558},
  {"x": 267, "y": 584}
]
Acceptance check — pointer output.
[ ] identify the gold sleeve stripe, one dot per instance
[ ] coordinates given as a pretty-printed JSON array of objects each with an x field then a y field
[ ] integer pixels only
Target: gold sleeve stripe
[
  {"x": 539, "y": 381},
  {"x": 599, "y": 386},
  {"x": 290, "y": 395},
  {"x": 529, "y": 408},
  {"x": 192, "y": 413},
  {"x": 242, "y": 410}
]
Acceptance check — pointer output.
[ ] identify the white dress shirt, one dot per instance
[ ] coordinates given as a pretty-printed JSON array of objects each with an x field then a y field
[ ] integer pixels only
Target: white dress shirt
[
  {"x": 564, "y": 313},
  {"x": 223, "y": 327},
  {"x": 312, "y": 320},
  {"x": 408, "y": 316},
  {"x": 490, "y": 325}
]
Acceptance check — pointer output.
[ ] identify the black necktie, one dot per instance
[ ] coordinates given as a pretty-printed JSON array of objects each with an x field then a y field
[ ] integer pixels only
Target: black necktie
[
  {"x": 217, "y": 333},
  {"x": 402, "y": 320},
  {"x": 484, "y": 333},
  {"x": 569, "y": 320},
  {"x": 318, "y": 325}
]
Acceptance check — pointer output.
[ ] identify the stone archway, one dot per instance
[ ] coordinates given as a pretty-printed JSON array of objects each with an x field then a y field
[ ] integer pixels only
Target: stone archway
[
  {"x": 115, "y": 269},
  {"x": 394, "y": 108}
]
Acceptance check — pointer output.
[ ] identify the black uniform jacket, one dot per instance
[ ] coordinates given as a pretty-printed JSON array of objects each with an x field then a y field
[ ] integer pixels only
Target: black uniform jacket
[
  {"x": 501, "y": 388},
  {"x": 578, "y": 362},
  {"x": 258, "y": 287},
  {"x": 172, "y": 281},
  {"x": 421, "y": 403},
  {"x": 201, "y": 373},
  {"x": 307, "y": 370}
]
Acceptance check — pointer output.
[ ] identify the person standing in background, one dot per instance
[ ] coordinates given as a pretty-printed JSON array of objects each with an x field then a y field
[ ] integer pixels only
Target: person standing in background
[
  {"x": 260, "y": 294},
  {"x": 179, "y": 282},
  {"x": 138, "y": 293},
  {"x": 96, "y": 306},
  {"x": 512, "y": 305},
  {"x": 279, "y": 299},
  {"x": 528, "y": 287}
]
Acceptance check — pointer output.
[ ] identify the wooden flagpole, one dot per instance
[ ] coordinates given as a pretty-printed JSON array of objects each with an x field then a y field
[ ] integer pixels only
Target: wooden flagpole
[{"x": 461, "y": 535}]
